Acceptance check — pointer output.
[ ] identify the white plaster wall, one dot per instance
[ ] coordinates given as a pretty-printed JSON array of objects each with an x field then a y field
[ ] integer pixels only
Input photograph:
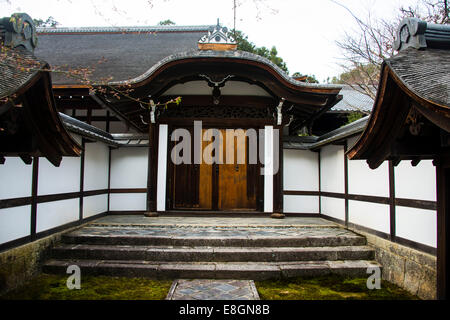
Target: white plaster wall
[
  {"x": 94, "y": 205},
  {"x": 53, "y": 214},
  {"x": 62, "y": 179},
  {"x": 129, "y": 167},
  {"x": 372, "y": 215},
  {"x": 301, "y": 204},
  {"x": 415, "y": 182},
  {"x": 365, "y": 181},
  {"x": 232, "y": 88},
  {"x": 162, "y": 168},
  {"x": 333, "y": 207},
  {"x": 14, "y": 223},
  {"x": 417, "y": 225},
  {"x": 268, "y": 168},
  {"x": 128, "y": 202},
  {"x": 96, "y": 166},
  {"x": 300, "y": 170},
  {"x": 15, "y": 178},
  {"x": 332, "y": 169}
]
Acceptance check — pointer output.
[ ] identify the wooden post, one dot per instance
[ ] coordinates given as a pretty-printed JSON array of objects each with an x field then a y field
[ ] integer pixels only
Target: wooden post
[
  {"x": 278, "y": 177},
  {"x": 152, "y": 170},
  {"x": 443, "y": 208}
]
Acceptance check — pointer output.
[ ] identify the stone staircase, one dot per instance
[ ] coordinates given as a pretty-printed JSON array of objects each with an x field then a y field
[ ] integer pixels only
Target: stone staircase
[{"x": 208, "y": 252}]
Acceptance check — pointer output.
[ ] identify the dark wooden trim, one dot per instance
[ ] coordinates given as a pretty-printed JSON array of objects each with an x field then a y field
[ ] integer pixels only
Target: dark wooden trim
[
  {"x": 419, "y": 204},
  {"x": 27, "y": 239},
  {"x": 58, "y": 197},
  {"x": 320, "y": 178},
  {"x": 95, "y": 192},
  {"x": 346, "y": 182},
  {"x": 109, "y": 175},
  {"x": 278, "y": 177},
  {"x": 300, "y": 193},
  {"x": 15, "y": 202},
  {"x": 82, "y": 160},
  {"x": 365, "y": 198},
  {"x": 415, "y": 245},
  {"x": 401, "y": 241},
  {"x": 118, "y": 212},
  {"x": 128, "y": 190},
  {"x": 392, "y": 201},
  {"x": 219, "y": 123},
  {"x": 34, "y": 191},
  {"x": 332, "y": 195},
  {"x": 443, "y": 211}
]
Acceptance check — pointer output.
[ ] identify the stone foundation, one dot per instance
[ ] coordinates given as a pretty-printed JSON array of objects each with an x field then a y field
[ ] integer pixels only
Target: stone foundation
[
  {"x": 20, "y": 264},
  {"x": 413, "y": 270}
]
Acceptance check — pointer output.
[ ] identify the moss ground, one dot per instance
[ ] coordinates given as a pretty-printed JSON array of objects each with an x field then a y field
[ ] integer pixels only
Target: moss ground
[
  {"x": 53, "y": 287},
  {"x": 328, "y": 288}
]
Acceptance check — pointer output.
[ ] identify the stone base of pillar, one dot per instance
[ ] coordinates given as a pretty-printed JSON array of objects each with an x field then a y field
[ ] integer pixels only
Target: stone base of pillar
[
  {"x": 276, "y": 215},
  {"x": 151, "y": 214}
]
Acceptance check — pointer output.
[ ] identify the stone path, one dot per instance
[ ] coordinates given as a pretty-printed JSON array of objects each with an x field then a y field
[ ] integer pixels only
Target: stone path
[
  {"x": 174, "y": 221},
  {"x": 210, "y": 231},
  {"x": 205, "y": 289}
]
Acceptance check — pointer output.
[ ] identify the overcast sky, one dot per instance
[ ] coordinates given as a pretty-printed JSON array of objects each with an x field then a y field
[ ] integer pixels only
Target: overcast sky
[{"x": 304, "y": 31}]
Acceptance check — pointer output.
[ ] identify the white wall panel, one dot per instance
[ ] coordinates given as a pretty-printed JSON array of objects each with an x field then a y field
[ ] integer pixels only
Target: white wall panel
[
  {"x": 129, "y": 168},
  {"x": 53, "y": 214},
  {"x": 371, "y": 215},
  {"x": 162, "y": 168},
  {"x": 127, "y": 201},
  {"x": 332, "y": 169},
  {"x": 333, "y": 207},
  {"x": 301, "y": 204},
  {"x": 415, "y": 182},
  {"x": 416, "y": 224},
  {"x": 268, "y": 168},
  {"x": 62, "y": 179},
  {"x": 94, "y": 205},
  {"x": 96, "y": 166},
  {"x": 300, "y": 170},
  {"x": 232, "y": 88},
  {"x": 15, "y": 178},
  {"x": 14, "y": 223},
  {"x": 363, "y": 180}
]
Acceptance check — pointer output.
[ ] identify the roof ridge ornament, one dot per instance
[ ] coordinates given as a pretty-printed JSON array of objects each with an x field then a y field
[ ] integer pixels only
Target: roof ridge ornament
[
  {"x": 413, "y": 32},
  {"x": 18, "y": 30},
  {"x": 218, "y": 39}
]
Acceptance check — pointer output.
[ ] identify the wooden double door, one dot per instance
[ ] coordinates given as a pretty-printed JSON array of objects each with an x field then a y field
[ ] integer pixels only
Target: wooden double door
[{"x": 225, "y": 179}]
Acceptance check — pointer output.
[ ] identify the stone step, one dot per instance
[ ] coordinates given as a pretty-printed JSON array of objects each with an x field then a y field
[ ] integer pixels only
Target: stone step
[
  {"x": 212, "y": 270},
  {"x": 207, "y": 254},
  {"x": 137, "y": 237}
]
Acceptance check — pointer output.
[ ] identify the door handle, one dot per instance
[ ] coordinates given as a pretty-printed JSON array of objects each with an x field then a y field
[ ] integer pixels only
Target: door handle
[{"x": 236, "y": 168}]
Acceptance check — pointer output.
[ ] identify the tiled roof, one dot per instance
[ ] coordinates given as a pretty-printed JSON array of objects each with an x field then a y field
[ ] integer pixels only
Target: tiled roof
[
  {"x": 17, "y": 67},
  {"x": 128, "y": 52},
  {"x": 353, "y": 100},
  {"x": 127, "y": 29}
]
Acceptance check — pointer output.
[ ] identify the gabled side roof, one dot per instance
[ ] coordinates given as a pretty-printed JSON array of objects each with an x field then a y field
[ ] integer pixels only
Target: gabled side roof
[{"x": 411, "y": 116}]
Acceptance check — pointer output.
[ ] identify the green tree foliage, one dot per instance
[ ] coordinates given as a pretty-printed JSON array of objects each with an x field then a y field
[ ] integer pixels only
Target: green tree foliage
[
  {"x": 309, "y": 78},
  {"x": 50, "y": 22},
  {"x": 167, "y": 22},
  {"x": 271, "y": 54},
  {"x": 352, "y": 117}
]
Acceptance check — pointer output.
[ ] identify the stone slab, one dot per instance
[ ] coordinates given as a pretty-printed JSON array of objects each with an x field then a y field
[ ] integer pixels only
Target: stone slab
[{"x": 207, "y": 289}]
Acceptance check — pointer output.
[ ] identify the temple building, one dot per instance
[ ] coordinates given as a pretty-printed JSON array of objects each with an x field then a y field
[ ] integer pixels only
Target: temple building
[{"x": 174, "y": 120}]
